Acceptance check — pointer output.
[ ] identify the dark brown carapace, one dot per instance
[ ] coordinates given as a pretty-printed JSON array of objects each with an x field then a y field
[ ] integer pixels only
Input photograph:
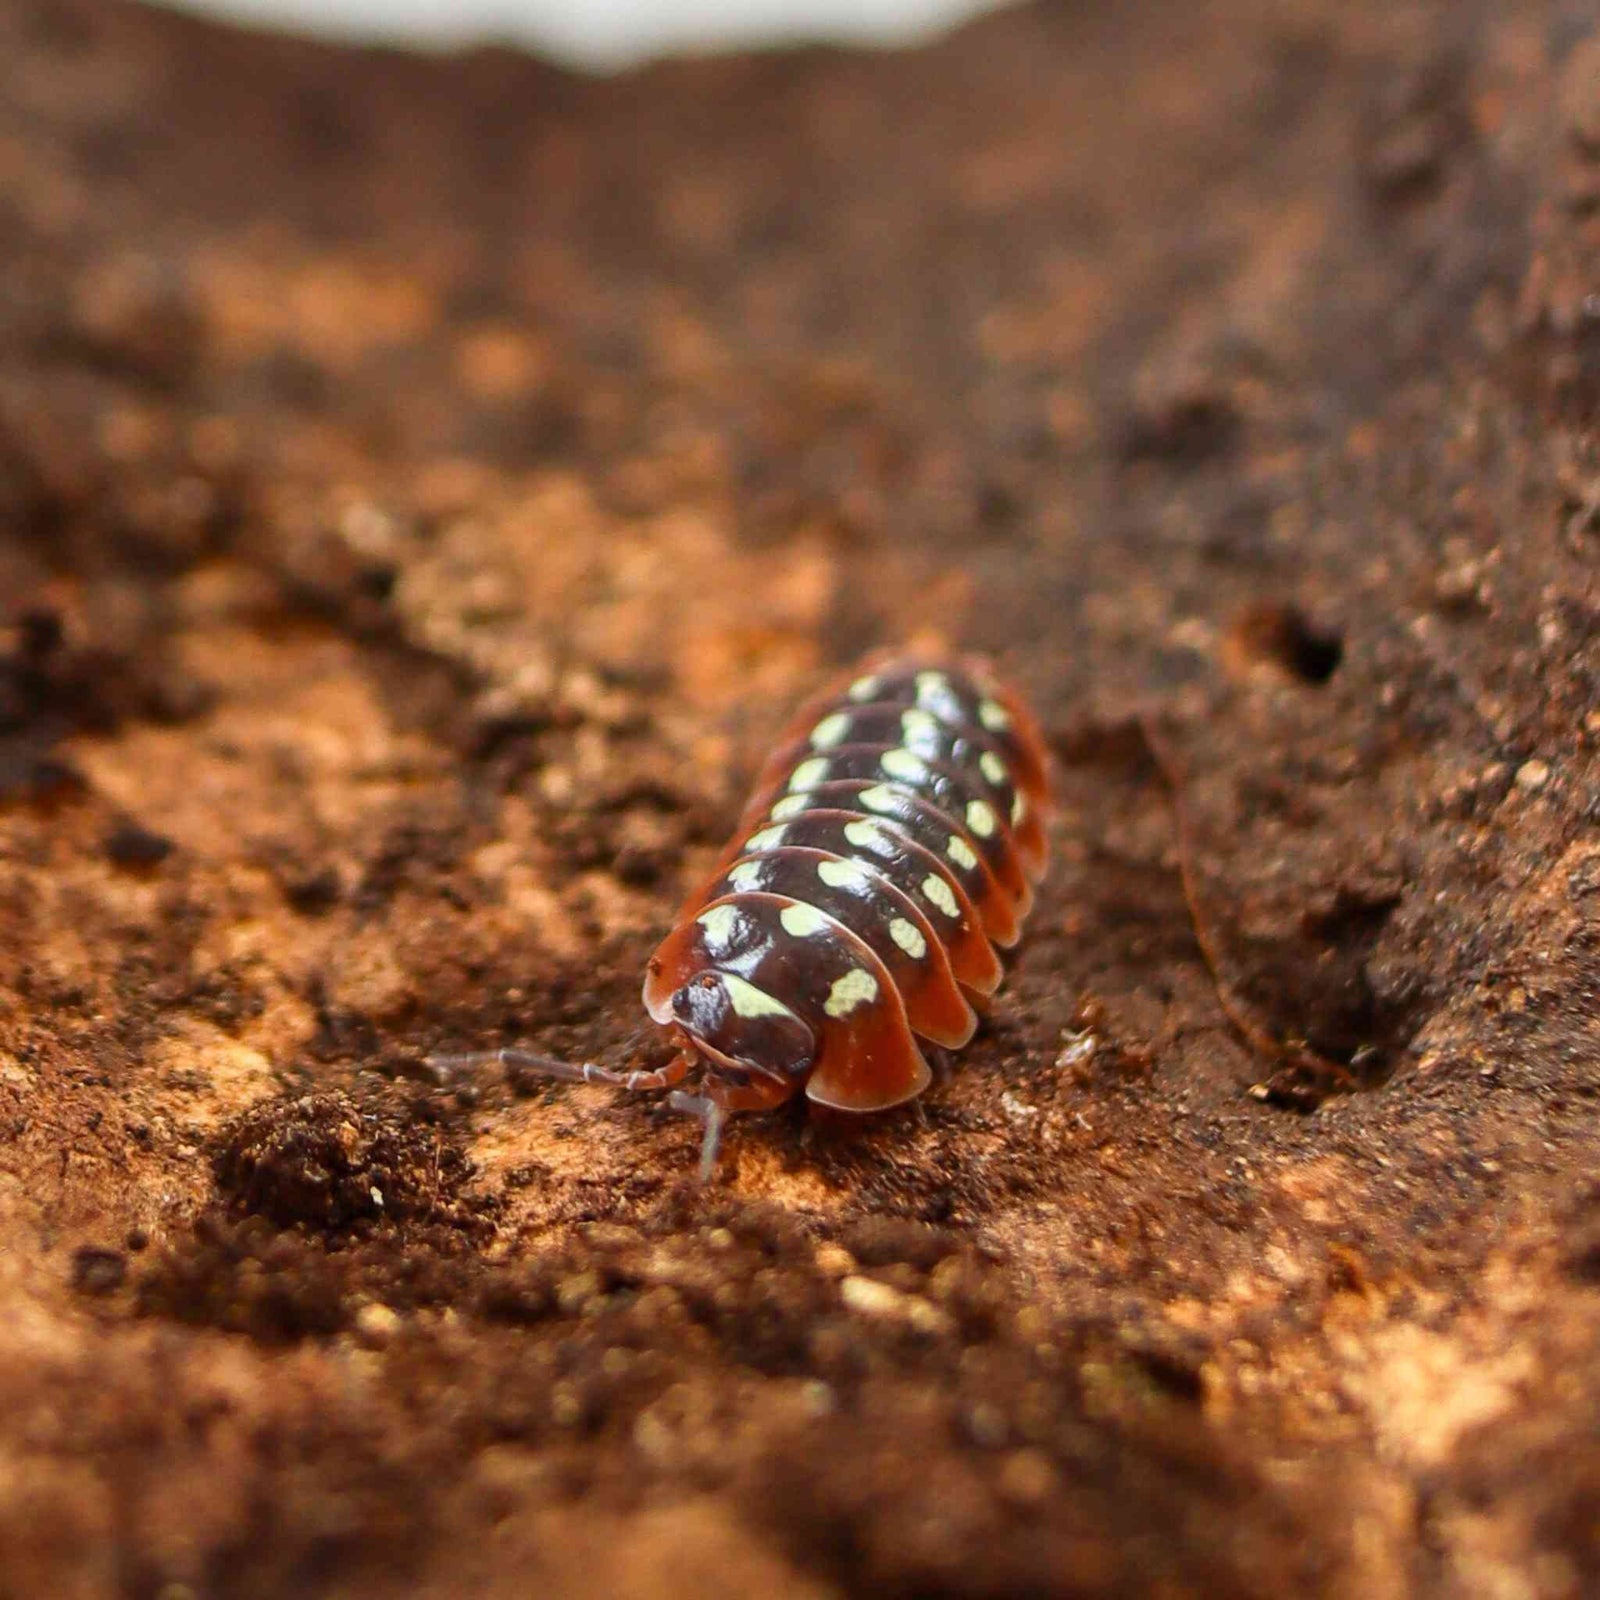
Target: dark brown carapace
[{"x": 892, "y": 841}]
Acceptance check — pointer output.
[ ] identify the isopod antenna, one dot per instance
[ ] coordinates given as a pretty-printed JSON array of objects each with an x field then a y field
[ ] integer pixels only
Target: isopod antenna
[{"x": 707, "y": 1111}]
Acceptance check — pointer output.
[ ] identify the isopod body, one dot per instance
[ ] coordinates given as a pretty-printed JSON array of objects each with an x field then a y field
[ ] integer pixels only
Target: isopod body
[{"x": 891, "y": 843}]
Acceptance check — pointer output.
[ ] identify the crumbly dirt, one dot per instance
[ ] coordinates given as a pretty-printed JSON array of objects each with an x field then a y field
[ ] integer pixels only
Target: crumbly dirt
[{"x": 424, "y": 486}]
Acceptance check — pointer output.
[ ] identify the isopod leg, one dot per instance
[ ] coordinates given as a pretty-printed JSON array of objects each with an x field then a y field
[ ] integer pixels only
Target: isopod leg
[
  {"x": 714, "y": 1117},
  {"x": 564, "y": 1071}
]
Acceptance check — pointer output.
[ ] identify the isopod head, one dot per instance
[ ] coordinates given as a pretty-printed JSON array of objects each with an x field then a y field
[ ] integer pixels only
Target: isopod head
[{"x": 753, "y": 1046}]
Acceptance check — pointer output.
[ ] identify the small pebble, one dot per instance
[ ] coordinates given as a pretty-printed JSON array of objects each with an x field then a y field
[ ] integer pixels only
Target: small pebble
[
  {"x": 1532, "y": 775},
  {"x": 834, "y": 1260},
  {"x": 818, "y": 1398},
  {"x": 869, "y": 1298},
  {"x": 1027, "y": 1478},
  {"x": 96, "y": 1270},
  {"x": 377, "y": 1324}
]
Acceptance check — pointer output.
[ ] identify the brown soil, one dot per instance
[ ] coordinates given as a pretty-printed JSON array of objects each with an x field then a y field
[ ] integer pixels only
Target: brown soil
[{"x": 425, "y": 484}]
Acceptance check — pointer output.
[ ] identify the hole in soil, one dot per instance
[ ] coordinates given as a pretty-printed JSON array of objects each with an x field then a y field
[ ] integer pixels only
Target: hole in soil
[
  {"x": 1329, "y": 1004},
  {"x": 1282, "y": 639},
  {"x": 1183, "y": 429}
]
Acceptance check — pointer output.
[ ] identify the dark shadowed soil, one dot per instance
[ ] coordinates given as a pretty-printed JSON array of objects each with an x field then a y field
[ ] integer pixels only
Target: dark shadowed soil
[{"x": 426, "y": 484}]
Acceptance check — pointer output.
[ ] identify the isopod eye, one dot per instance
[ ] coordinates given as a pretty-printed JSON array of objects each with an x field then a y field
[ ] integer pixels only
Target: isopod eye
[{"x": 742, "y": 1027}]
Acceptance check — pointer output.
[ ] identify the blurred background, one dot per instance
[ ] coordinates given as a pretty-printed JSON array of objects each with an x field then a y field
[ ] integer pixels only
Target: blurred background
[{"x": 607, "y": 34}]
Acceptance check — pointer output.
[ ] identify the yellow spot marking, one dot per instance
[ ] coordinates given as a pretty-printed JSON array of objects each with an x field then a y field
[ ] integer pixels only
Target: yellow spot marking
[
  {"x": 857, "y": 987},
  {"x": 803, "y": 921},
  {"x": 719, "y": 923},
  {"x": 992, "y": 767},
  {"x": 864, "y": 835},
  {"x": 919, "y": 728},
  {"x": 981, "y": 818},
  {"x": 841, "y": 874},
  {"x": 902, "y": 764},
  {"x": 749, "y": 1001},
  {"x": 808, "y": 775},
  {"x": 961, "y": 853},
  {"x": 993, "y": 716},
  {"x": 789, "y": 806},
  {"x": 863, "y": 688},
  {"x": 909, "y": 937},
  {"x": 767, "y": 839},
  {"x": 830, "y": 731},
  {"x": 746, "y": 875},
  {"x": 938, "y": 893},
  {"x": 880, "y": 797}
]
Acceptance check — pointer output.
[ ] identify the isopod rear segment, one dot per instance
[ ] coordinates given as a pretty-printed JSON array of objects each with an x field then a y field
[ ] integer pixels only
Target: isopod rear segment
[{"x": 891, "y": 843}]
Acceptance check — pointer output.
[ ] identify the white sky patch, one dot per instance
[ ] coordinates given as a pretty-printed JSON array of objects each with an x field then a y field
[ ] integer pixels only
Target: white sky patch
[{"x": 604, "y": 35}]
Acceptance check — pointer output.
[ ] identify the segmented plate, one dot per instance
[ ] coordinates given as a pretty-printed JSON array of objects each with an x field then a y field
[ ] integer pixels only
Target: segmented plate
[{"x": 892, "y": 841}]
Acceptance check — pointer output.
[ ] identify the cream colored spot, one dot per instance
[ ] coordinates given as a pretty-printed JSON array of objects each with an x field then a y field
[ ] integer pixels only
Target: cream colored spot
[
  {"x": 935, "y": 691},
  {"x": 855, "y": 988},
  {"x": 791, "y": 805},
  {"x": 830, "y": 731},
  {"x": 992, "y": 767},
  {"x": 746, "y": 876},
  {"x": 750, "y": 1001},
  {"x": 918, "y": 727},
  {"x": 863, "y": 688},
  {"x": 719, "y": 923},
  {"x": 803, "y": 921},
  {"x": 961, "y": 853},
  {"x": 864, "y": 835},
  {"x": 808, "y": 775},
  {"x": 880, "y": 797},
  {"x": 841, "y": 874},
  {"x": 981, "y": 818},
  {"x": 993, "y": 716},
  {"x": 902, "y": 764},
  {"x": 767, "y": 839},
  {"x": 909, "y": 937},
  {"x": 939, "y": 894}
]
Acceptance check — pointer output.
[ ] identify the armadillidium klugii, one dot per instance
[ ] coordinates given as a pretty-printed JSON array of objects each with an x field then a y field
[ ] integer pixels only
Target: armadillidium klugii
[{"x": 892, "y": 841}]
